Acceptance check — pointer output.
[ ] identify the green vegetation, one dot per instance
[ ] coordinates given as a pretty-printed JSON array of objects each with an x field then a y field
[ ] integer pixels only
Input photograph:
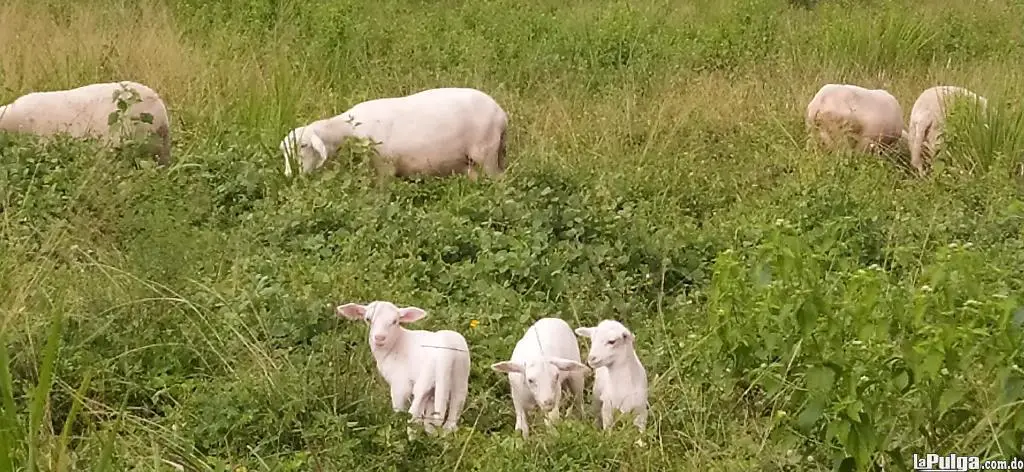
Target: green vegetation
[{"x": 795, "y": 311}]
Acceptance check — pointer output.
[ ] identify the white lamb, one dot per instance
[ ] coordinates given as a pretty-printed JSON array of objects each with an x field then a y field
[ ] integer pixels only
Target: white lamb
[
  {"x": 84, "y": 112},
  {"x": 620, "y": 380},
  {"x": 928, "y": 118},
  {"x": 423, "y": 365},
  {"x": 544, "y": 361},
  {"x": 844, "y": 115},
  {"x": 442, "y": 131}
]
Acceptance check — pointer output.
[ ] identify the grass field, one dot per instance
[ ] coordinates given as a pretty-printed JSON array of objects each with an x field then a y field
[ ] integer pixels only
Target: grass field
[{"x": 795, "y": 311}]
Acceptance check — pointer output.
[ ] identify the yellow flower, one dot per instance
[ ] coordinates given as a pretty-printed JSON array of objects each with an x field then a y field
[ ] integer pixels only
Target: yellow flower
[{"x": 474, "y": 323}]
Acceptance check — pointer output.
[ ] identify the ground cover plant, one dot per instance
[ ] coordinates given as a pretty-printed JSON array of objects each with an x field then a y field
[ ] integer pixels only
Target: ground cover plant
[{"x": 794, "y": 310}]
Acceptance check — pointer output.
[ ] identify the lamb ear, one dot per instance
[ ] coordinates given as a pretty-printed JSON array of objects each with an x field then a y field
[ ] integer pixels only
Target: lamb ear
[
  {"x": 568, "y": 365},
  {"x": 352, "y": 311},
  {"x": 318, "y": 146},
  {"x": 508, "y": 367},
  {"x": 584, "y": 331},
  {"x": 410, "y": 314}
]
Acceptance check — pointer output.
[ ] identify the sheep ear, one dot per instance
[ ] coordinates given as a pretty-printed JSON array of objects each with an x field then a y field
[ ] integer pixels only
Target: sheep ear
[
  {"x": 318, "y": 146},
  {"x": 410, "y": 314},
  {"x": 352, "y": 311},
  {"x": 508, "y": 367},
  {"x": 584, "y": 331},
  {"x": 568, "y": 365}
]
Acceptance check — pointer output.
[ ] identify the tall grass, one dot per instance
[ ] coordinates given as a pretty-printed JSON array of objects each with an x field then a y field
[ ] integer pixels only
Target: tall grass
[{"x": 795, "y": 311}]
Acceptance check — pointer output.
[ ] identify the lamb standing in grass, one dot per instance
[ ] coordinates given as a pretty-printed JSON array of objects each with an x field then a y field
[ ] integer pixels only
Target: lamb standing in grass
[
  {"x": 928, "y": 118},
  {"x": 439, "y": 132},
  {"x": 844, "y": 115},
  {"x": 620, "y": 380},
  {"x": 425, "y": 365},
  {"x": 544, "y": 361},
  {"x": 85, "y": 112}
]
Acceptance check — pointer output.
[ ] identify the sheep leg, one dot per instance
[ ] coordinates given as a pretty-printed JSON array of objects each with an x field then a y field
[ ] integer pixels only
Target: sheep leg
[
  {"x": 458, "y": 400},
  {"x": 420, "y": 392},
  {"x": 521, "y": 419},
  {"x": 493, "y": 169},
  {"x": 430, "y": 419},
  {"x": 471, "y": 172},
  {"x": 595, "y": 405},
  {"x": 493, "y": 165},
  {"x": 607, "y": 415},
  {"x": 924, "y": 153},
  {"x": 162, "y": 143},
  {"x": 399, "y": 396},
  {"x": 442, "y": 394},
  {"x": 576, "y": 385},
  {"x": 640, "y": 418}
]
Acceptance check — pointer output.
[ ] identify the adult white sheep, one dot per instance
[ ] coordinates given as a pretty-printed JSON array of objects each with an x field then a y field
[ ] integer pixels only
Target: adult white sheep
[
  {"x": 85, "y": 112},
  {"x": 850, "y": 116},
  {"x": 928, "y": 118},
  {"x": 423, "y": 365},
  {"x": 545, "y": 360},
  {"x": 442, "y": 131},
  {"x": 620, "y": 380}
]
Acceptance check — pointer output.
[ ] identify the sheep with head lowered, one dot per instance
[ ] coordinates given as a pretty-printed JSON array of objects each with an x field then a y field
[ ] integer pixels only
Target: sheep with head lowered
[
  {"x": 439, "y": 132},
  {"x": 426, "y": 366},
  {"x": 545, "y": 360},
  {"x": 85, "y": 112},
  {"x": 928, "y": 119},
  {"x": 620, "y": 380},
  {"x": 849, "y": 116}
]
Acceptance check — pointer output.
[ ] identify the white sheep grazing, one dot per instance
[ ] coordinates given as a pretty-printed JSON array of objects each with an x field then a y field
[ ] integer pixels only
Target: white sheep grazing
[
  {"x": 544, "y": 361},
  {"x": 840, "y": 113},
  {"x": 423, "y": 365},
  {"x": 620, "y": 380},
  {"x": 928, "y": 118},
  {"x": 439, "y": 132},
  {"x": 84, "y": 112}
]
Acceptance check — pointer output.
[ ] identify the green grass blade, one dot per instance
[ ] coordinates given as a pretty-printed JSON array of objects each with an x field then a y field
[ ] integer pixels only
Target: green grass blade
[
  {"x": 106, "y": 454},
  {"x": 42, "y": 390},
  {"x": 9, "y": 417},
  {"x": 76, "y": 407}
]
